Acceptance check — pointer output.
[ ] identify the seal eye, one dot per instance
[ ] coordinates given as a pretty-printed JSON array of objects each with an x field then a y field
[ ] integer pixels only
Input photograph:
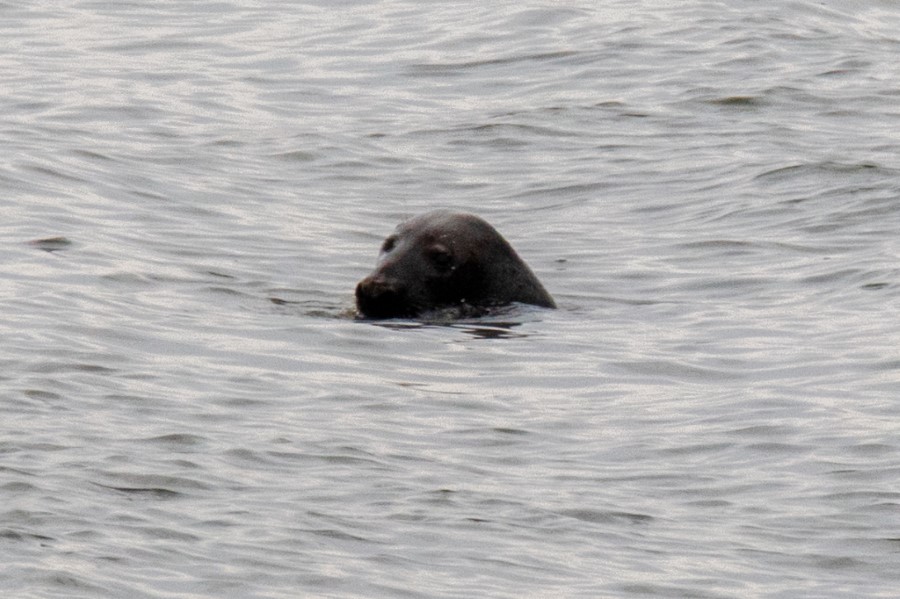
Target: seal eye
[
  {"x": 441, "y": 259},
  {"x": 389, "y": 244}
]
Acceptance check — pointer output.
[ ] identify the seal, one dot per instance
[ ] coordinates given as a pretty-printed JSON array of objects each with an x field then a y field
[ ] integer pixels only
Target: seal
[{"x": 445, "y": 259}]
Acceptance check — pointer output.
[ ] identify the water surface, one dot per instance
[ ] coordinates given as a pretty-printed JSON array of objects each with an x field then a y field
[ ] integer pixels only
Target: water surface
[{"x": 190, "y": 192}]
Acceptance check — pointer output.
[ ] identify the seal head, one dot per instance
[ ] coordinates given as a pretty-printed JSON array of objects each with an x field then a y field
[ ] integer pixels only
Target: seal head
[{"x": 445, "y": 259}]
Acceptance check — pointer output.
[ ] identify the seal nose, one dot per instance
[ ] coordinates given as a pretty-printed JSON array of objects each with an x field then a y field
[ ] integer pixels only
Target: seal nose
[{"x": 377, "y": 297}]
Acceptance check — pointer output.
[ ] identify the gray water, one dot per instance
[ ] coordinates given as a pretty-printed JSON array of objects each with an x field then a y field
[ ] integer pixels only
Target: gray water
[{"x": 191, "y": 190}]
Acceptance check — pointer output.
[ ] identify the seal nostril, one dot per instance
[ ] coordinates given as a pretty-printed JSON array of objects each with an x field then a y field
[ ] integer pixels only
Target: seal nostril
[
  {"x": 373, "y": 288},
  {"x": 380, "y": 298}
]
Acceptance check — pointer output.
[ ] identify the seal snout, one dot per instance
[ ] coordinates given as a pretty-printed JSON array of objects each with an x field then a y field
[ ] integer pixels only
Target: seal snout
[{"x": 379, "y": 297}]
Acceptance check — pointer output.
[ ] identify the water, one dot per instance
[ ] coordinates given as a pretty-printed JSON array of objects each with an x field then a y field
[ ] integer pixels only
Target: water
[{"x": 190, "y": 191}]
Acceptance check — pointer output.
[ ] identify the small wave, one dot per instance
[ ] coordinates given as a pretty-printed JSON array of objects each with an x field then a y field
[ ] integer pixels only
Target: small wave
[{"x": 451, "y": 68}]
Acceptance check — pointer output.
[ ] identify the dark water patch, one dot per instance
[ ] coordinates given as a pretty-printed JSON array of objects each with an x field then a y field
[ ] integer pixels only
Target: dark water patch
[
  {"x": 13, "y": 448},
  {"x": 248, "y": 455},
  {"x": 54, "y": 173},
  {"x": 720, "y": 247},
  {"x": 773, "y": 447},
  {"x": 864, "y": 498},
  {"x": 491, "y": 331},
  {"x": 873, "y": 449},
  {"x": 824, "y": 249},
  {"x": 51, "y": 244},
  {"x": 728, "y": 286},
  {"x": 66, "y": 582},
  {"x": 569, "y": 191},
  {"x": 226, "y": 143},
  {"x": 716, "y": 504},
  {"x": 511, "y": 431},
  {"x": 241, "y": 403},
  {"x": 738, "y": 102},
  {"x": 495, "y": 437},
  {"x": 820, "y": 169},
  {"x": 42, "y": 395},
  {"x": 168, "y": 45},
  {"x": 764, "y": 430},
  {"x": 674, "y": 371},
  {"x": 845, "y": 68},
  {"x": 490, "y": 431},
  {"x": 164, "y": 484},
  {"x": 295, "y": 156},
  {"x": 607, "y": 517},
  {"x": 886, "y": 365},
  {"x": 64, "y": 367},
  {"x": 227, "y": 291},
  {"x": 176, "y": 441},
  {"x": 167, "y": 534},
  {"x": 840, "y": 563},
  {"x": 445, "y": 69},
  {"x": 93, "y": 155},
  {"x": 699, "y": 448},
  {"x": 149, "y": 492},
  {"x": 220, "y": 275},
  {"x": 18, "y": 536},
  {"x": 834, "y": 276},
  {"x": 338, "y": 535},
  {"x": 327, "y": 459},
  {"x": 876, "y": 286},
  {"x": 18, "y": 487},
  {"x": 672, "y": 590},
  {"x": 516, "y": 132}
]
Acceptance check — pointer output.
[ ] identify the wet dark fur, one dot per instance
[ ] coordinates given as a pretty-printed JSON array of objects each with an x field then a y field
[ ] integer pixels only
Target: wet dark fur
[{"x": 446, "y": 259}]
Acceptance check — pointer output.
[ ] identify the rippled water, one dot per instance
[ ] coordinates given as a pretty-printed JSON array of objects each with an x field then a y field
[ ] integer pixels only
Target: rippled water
[{"x": 190, "y": 191}]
